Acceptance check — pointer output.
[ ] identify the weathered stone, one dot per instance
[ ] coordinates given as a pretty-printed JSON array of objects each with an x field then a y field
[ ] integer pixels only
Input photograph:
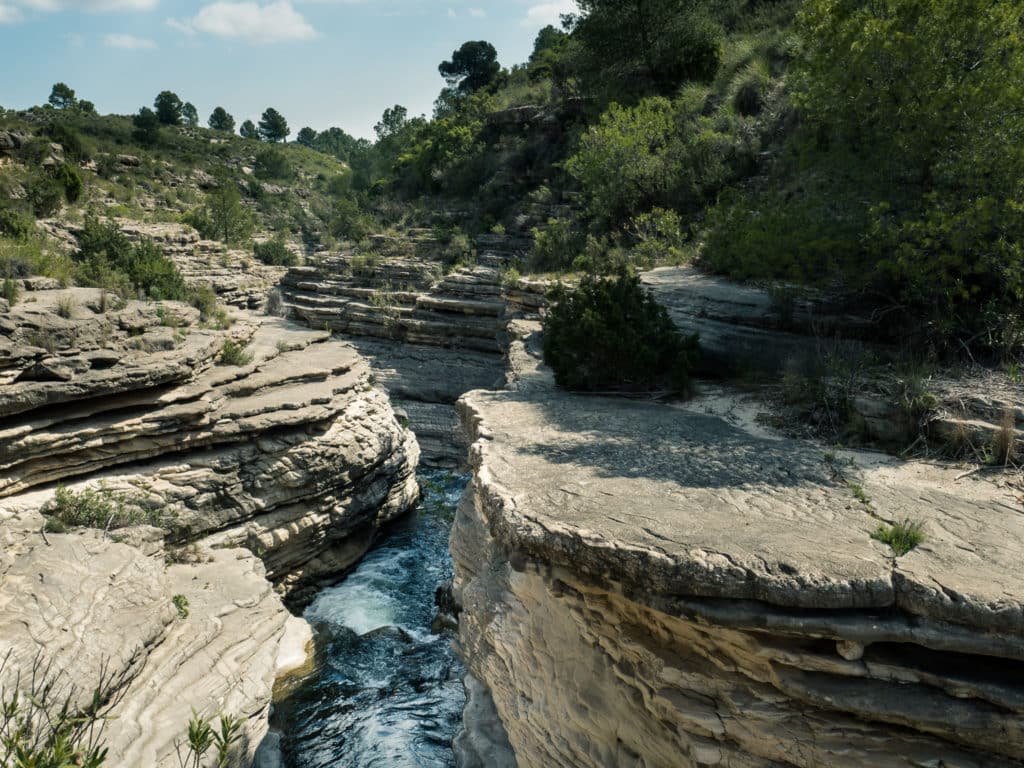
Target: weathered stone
[
  {"x": 294, "y": 456},
  {"x": 644, "y": 584}
]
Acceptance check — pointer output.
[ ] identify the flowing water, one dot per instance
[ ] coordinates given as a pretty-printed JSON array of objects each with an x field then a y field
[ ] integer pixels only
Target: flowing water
[{"x": 385, "y": 691}]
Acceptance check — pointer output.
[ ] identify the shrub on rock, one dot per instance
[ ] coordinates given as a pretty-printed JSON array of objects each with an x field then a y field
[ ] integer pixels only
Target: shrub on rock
[{"x": 610, "y": 334}]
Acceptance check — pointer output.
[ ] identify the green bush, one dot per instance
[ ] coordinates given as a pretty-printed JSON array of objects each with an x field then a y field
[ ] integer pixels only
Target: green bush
[
  {"x": 70, "y": 180},
  {"x": 107, "y": 259},
  {"x": 272, "y": 164},
  {"x": 74, "y": 146},
  {"x": 15, "y": 224},
  {"x": 10, "y": 291},
  {"x": 771, "y": 235},
  {"x": 610, "y": 334},
  {"x": 94, "y": 509},
  {"x": 275, "y": 252},
  {"x": 233, "y": 353},
  {"x": 555, "y": 247},
  {"x": 45, "y": 195}
]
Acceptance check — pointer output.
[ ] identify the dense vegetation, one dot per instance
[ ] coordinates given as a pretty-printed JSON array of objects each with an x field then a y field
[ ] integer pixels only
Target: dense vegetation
[
  {"x": 874, "y": 149},
  {"x": 609, "y": 334}
]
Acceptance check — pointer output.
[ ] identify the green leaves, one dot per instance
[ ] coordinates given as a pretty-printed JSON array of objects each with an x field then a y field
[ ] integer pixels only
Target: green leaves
[{"x": 610, "y": 334}]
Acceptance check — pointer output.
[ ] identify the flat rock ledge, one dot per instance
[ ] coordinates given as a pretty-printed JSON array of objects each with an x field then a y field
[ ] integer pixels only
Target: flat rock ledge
[
  {"x": 644, "y": 584},
  {"x": 257, "y": 480}
]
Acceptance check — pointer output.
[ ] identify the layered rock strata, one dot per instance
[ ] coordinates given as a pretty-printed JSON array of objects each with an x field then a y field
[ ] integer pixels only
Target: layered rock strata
[
  {"x": 429, "y": 336},
  {"x": 646, "y": 585},
  {"x": 743, "y": 327},
  {"x": 275, "y": 471}
]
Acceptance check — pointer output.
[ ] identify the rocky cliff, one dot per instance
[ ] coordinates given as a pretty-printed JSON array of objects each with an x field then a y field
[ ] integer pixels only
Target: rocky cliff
[
  {"x": 647, "y": 585},
  {"x": 430, "y": 336},
  {"x": 235, "y": 486}
]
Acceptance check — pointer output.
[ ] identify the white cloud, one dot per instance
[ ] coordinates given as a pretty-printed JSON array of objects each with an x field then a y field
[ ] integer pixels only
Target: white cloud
[
  {"x": 129, "y": 42},
  {"x": 9, "y": 14},
  {"x": 477, "y": 13},
  {"x": 548, "y": 13},
  {"x": 273, "y": 23}
]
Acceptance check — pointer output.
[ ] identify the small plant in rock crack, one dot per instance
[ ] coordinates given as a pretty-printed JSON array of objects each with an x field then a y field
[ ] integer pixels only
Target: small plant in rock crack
[
  {"x": 181, "y": 605},
  {"x": 902, "y": 536},
  {"x": 202, "y": 737},
  {"x": 233, "y": 353},
  {"x": 859, "y": 493}
]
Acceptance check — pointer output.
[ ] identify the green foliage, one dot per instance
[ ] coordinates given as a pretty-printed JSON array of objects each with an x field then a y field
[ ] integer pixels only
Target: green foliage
[
  {"x": 94, "y": 509},
  {"x": 248, "y": 130},
  {"x": 68, "y": 178},
  {"x": 348, "y": 221},
  {"x": 906, "y": 184},
  {"x": 62, "y": 96},
  {"x": 221, "y": 120},
  {"x": 44, "y": 194},
  {"x": 168, "y": 108},
  {"x": 189, "y": 114},
  {"x": 556, "y": 246},
  {"x": 15, "y": 224},
  {"x": 636, "y": 48},
  {"x": 233, "y": 353},
  {"x": 610, "y": 334},
  {"x": 34, "y": 255},
  {"x": 107, "y": 259},
  {"x": 146, "y": 127},
  {"x": 275, "y": 252},
  {"x": 202, "y": 737},
  {"x": 222, "y": 216},
  {"x": 43, "y": 723},
  {"x": 66, "y": 306},
  {"x": 306, "y": 137},
  {"x": 655, "y": 155},
  {"x": 472, "y": 67},
  {"x": 180, "y": 605},
  {"x": 75, "y": 147},
  {"x": 902, "y": 536},
  {"x": 10, "y": 291},
  {"x": 272, "y": 164},
  {"x": 772, "y": 235},
  {"x": 273, "y": 127}
]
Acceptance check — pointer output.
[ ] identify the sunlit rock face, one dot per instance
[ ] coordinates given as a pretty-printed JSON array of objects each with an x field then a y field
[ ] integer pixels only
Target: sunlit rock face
[
  {"x": 646, "y": 585},
  {"x": 250, "y": 483}
]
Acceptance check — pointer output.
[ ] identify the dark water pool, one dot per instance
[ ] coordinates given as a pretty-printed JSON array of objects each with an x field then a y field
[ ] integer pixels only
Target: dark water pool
[{"x": 386, "y": 691}]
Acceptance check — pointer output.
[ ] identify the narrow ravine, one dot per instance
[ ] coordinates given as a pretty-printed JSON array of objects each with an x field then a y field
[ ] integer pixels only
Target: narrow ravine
[{"x": 385, "y": 690}]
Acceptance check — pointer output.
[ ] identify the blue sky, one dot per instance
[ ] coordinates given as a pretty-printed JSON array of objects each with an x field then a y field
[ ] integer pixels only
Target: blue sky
[{"x": 319, "y": 62}]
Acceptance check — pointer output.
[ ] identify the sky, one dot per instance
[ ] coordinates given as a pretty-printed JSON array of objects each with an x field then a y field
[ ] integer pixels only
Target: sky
[{"x": 320, "y": 63}]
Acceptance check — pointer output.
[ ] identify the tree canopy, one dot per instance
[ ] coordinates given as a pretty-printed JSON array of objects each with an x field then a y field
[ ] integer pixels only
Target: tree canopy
[
  {"x": 306, "y": 137},
  {"x": 189, "y": 115},
  {"x": 638, "y": 46},
  {"x": 472, "y": 67},
  {"x": 62, "y": 96},
  {"x": 221, "y": 120},
  {"x": 273, "y": 126},
  {"x": 168, "y": 108},
  {"x": 146, "y": 127},
  {"x": 247, "y": 130}
]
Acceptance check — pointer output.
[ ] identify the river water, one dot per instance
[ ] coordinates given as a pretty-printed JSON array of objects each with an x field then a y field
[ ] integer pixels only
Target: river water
[{"x": 385, "y": 691}]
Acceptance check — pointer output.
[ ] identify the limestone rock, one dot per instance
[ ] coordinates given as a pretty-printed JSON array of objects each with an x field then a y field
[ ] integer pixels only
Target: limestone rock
[
  {"x": 265, "y": 478},
  {"x": 645, "y": 584}
]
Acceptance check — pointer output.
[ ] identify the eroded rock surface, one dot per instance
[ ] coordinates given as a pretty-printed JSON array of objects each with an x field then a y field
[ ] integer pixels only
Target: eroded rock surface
[
  {"x": 644, "y": 584},
  {"x": 257, "y": 480},
  {"x": 429, "y": 335}
]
